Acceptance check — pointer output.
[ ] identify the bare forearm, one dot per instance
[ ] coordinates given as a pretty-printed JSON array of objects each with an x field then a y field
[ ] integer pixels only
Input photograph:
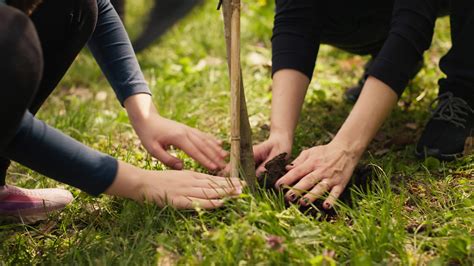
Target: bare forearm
[
  {"x": 139, "y": 108},
  {"x": 289, "y": 90},
  {"x": 372, "y": 108}
]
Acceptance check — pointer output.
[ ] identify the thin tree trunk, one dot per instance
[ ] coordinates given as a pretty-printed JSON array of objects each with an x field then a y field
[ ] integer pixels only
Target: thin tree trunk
[{"x": 247, "y": 162}]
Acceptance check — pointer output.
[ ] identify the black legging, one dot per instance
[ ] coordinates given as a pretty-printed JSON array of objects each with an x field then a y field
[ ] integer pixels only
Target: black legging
[
  {"x": 163, "y": 15},
  {"x": 412, "y": 29},
  {"x": 35, "y": 54},
  {"x": 119, "y": 6}
]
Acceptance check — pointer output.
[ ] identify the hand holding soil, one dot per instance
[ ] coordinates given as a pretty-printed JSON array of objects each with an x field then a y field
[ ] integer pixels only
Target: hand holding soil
[{"x": 269, "y": 149}]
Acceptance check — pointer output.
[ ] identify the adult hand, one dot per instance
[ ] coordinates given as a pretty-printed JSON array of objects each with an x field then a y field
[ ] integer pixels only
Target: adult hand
[
  {"x": 275, "y": 145},
  {"x": 180, "y": 189},
  {"x": 321, "y": 169},
  {"x": 157, "y": 134},
  {"x": 328, "y": 168}
]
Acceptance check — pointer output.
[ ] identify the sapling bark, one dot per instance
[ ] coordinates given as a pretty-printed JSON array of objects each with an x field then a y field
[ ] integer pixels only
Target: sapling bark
[{"x": 231, "y": 14}]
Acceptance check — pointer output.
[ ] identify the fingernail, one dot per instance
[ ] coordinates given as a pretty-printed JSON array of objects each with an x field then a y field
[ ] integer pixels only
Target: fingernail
[
  {"x": 305, "y": 201},
  {"x": 178, "y": 165},
  {"x": 239, "y": 191},
  {"x": 291, "y": 197}
]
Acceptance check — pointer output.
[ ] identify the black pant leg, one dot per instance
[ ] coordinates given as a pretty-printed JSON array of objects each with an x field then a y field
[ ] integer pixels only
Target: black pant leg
[
  {"x": 164, "y": 14},
  {"x": 4, "y": 164},
  {"x": 21, "y": 67},
  {"x": 458, "y": 63}
]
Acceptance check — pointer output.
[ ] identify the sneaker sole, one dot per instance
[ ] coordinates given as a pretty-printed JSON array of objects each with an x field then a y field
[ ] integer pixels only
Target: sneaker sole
[
  {"x": 435, "y": 154},
  {"x": 24, "y": 219},
  {"x": 28, "y": 216}
]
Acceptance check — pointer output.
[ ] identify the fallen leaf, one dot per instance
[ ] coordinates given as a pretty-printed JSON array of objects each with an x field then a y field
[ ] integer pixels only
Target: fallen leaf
[
  {"x": 47, "y": 227},
  {"x": 382, "y": 152},
  {"x": 329, "y": 253},
  {"x": 257, "y": 59},
  {"x": 275, "y": 243},
  {"x": 351, "y": 63},
  {"x": 412, "y": 126},
  {"x": 401, "y": 140},
  {"x": 101, "y": 96},
  {"x": 166, "y": 258},
  {"x": 208, "y": 61},
  {"x": 83, "y": 94}
]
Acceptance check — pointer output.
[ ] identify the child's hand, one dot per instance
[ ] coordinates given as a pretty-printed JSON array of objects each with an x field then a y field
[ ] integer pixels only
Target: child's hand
[
  {"x": 157, "y": 134},
  {"x": 180, "y": 189},
  {"x": 186, "y": 189}
]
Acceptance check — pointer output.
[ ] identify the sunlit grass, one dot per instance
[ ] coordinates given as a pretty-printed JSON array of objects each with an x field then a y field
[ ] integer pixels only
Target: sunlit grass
[{"x": 411, "y": 213}]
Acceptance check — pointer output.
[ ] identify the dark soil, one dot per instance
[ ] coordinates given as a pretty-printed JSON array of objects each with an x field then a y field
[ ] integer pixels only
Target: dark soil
[{"x": 276, "y": 168}]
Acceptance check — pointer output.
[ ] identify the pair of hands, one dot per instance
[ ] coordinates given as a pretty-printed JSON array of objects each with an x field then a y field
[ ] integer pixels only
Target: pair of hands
[
  {"x": 184, "y": 189},
  {"x": 181, "y": 189},
  {"x": 325, "y": 168},
  {"x": 316, "y": 171}
]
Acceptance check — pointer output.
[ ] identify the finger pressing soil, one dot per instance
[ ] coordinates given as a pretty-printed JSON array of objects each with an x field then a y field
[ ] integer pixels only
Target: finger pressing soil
[{"x": 276, "y": 168}]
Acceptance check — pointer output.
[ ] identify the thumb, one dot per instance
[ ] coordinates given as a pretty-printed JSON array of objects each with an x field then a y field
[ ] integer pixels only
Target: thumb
[
  {"x": 225, "y": 172},
  {"x": 162, "y": 155},
  {"x": 260, "y": 152},
  {"x": 261, "y": 169}
]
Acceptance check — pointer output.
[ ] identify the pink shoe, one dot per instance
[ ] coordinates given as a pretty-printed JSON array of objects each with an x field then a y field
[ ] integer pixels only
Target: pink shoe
[{"x": 31, "y": 205}]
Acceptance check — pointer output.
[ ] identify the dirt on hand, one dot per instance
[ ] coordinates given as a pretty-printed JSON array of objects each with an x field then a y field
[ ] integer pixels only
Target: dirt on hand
[{"x": 275, "y": 168}]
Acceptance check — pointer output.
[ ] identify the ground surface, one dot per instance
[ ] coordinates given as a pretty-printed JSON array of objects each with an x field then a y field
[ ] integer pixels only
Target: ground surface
[{"x": 416, "y": 212}]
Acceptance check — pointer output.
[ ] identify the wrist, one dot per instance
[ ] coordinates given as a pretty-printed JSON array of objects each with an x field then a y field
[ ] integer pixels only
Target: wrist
[
  {"x": 140, "y": 108},
  {"x": 282, "y": 134},
  {"x": 284, "y": 138},
  {"x": 127, "y": 183},
  {"x": 353, "y": 146},
  {"x": 283, "y": 141}
]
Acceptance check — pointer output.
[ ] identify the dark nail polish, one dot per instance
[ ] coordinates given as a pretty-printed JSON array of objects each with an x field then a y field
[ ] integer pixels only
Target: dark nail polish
[{"x": 306, "y": 201}]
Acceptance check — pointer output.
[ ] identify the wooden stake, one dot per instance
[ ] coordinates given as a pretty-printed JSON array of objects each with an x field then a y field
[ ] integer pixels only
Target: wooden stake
[
  {"x": 247, "y": 163},
  {"x": 235, "y": 87}
]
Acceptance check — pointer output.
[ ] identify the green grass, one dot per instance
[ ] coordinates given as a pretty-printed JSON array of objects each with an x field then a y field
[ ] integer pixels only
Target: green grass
[{"x": 411, "y": 213}]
